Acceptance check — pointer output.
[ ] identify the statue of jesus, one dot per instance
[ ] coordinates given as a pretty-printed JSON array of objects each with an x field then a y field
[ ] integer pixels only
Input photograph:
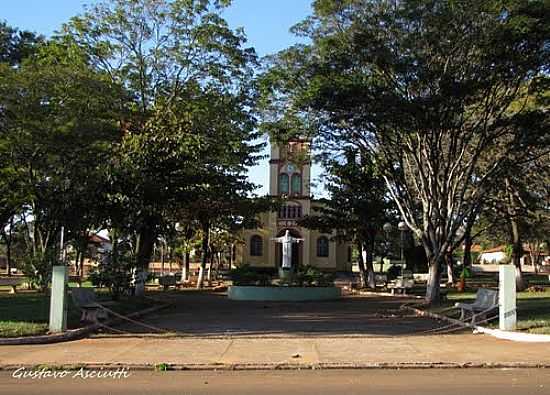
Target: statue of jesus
[{"x": 287, "y": 241}]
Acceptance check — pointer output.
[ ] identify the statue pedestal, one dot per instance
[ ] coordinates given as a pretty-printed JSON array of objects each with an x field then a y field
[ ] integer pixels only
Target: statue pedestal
[{"x": 286, "y": 274}]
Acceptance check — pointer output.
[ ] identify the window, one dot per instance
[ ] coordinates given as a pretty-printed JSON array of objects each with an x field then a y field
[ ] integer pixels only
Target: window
[
  {"x": 322, "y": 246},
  {"x": 256, "y": 246},
  {"x": 296, "y": 184},
  {"x": 283, "y": 183},
  {"x": 290, "y": 212}
]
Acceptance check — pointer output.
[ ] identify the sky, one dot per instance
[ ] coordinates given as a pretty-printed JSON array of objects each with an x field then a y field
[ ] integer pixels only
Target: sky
[{"x": 266, "y": 24}]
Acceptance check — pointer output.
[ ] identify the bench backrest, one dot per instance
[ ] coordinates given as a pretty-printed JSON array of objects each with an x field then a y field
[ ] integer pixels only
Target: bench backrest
[
  {"x": 83, "y": 296},
  {"x": 486, "y": 298},
  {"x": 11, "y": 280},
  {"x": 408, "y": 274},
  {"x": 167, "y": 280}
]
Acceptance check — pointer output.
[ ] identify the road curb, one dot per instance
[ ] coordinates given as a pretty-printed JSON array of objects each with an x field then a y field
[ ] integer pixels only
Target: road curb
[{"x": 73, "y": 334}]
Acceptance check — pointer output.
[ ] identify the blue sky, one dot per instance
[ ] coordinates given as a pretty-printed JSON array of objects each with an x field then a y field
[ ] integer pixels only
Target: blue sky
[{"x": 266, "y": 24}]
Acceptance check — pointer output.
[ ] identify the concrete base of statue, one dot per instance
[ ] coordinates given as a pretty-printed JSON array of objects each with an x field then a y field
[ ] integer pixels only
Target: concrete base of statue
[
  {"x": 283, "y": 294},
  {"x": 286, "y": 274}
]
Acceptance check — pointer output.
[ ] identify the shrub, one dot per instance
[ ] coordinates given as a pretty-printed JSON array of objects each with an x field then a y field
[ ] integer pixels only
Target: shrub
[
  {"x": 246, "y": 275},
  {"x": 310, "y": 276},
  {"x": 114, "y": 271},
  {"x": 393, "y": 272},
  {"x": 38, "y": 268}
]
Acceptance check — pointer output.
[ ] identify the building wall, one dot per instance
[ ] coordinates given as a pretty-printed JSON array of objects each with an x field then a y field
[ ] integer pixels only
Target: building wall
[{"x": 492, "y": 257}]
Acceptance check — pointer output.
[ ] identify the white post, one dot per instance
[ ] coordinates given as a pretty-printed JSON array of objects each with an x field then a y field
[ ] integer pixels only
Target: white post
[
  {"x": 58, "y": 299},
  {"x": 507, "y": 297}
]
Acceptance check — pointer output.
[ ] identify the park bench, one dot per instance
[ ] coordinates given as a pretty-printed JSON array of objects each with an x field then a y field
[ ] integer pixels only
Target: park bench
[
  {"x": 167, "y": 281},
  {"x": 485, "y": 302},
  {"x": 86, "y": 300},
  {"x": 402, "y": 283},
  {"x": 12, "y": 282}
]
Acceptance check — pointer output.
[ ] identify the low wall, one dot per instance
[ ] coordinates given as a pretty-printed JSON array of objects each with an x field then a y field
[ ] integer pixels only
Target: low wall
[{"x": 283, "y": 294}]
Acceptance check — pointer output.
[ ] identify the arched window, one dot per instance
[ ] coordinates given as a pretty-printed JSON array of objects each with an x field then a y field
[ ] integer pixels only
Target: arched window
[
  {"x": 256, "y": 246},
  {"x": 322, "y": 246},
  {"x": 283, "y": 183},
  {"x": 296, "y": 184}
]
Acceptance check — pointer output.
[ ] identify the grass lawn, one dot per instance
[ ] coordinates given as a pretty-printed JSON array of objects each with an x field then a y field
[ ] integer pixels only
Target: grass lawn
[
  {"x": 27, "y": 312},
  {"x": 533, "y": 309}
]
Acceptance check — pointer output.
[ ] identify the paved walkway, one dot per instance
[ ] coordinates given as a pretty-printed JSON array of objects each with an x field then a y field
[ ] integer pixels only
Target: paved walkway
[
  {"x": 213, "y": 314},
  {"x": 477, "y": 350}
]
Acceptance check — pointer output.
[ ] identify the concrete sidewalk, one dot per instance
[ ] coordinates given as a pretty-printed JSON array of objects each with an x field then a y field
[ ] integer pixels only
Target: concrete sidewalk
[{"x": 455, "y": 350}]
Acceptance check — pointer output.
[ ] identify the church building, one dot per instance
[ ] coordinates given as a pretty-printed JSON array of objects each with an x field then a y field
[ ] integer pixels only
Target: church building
[{"x": 289, "y": 179}]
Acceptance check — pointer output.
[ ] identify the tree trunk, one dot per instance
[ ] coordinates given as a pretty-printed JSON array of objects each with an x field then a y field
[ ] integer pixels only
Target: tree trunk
[
  {"x": 361, "y": 265},
  {"x": 80, "y": 274},
  {"x": 145, "y": 245},
  {"x": 450, "y": 276},
  {"x": 185, "y": 271},
  {"x": 209, "y": 273},
  {"x": 8, "y": 239},
  {"x": 432, "y": 288},
  {"x": 145, "y": 248},
  {"x": 369, "y": 260},
  {"x": 8, "y": 258},
  {"x": 517, "y": 247},
  {"x": 204, "y": 258},
  {"x": 467, "y": 250}
]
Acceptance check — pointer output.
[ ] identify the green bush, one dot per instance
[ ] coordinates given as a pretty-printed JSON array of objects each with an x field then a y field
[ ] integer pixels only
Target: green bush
[
  {"x": 246, "y": 275},
  {"x": 38, "y": 268},
  {"x": 310, "y": 276},
  {"x": 114, "y": 271}
]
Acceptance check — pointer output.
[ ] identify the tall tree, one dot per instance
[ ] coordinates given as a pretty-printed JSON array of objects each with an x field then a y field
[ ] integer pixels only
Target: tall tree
[
  {"x": 59, "y": 118},
  {"x": 189, "y": 77},
  {"x": 357, "y": 207},
  {"x": 426, "y": 87}
]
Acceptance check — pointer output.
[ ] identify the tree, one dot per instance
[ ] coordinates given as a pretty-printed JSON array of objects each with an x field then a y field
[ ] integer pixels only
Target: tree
[
  {"x": 15, "y": 46},
  {"x": 426, "y": 88},
  {"x": 59, "y": 118},
  {"x": 357, "y": 207},
  {"x": 189, "y": 77}
]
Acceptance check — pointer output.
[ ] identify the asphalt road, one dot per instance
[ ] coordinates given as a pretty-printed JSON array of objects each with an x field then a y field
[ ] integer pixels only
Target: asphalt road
[{"x": 348, "y": 382}]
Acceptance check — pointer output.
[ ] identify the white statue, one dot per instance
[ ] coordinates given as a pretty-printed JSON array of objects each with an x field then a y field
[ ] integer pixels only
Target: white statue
[{"x": 287, "y": 241}]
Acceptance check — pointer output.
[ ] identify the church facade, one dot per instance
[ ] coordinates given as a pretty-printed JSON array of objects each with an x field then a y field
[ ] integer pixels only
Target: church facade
[{"x": 289, "y": 179}]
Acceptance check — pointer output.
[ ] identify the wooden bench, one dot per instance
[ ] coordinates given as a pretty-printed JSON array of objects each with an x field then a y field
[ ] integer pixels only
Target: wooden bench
[
  {"x": 86, "y": 300},
  {"x": 485, "y": 302},
  {"x": 12, "y": 282}
]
